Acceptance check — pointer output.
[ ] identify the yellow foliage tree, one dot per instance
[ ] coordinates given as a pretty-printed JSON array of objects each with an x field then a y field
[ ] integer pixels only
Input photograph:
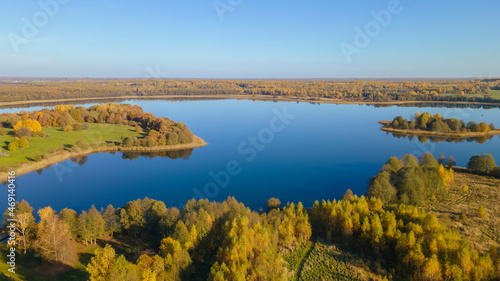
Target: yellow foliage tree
[{"x": 33, "y": 125}]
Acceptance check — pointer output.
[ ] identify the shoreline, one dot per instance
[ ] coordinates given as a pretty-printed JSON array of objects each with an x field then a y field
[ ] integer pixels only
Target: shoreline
[
  {"x": 28, "y": 167},
  {"x": 242, "y": 97},
  {"x": 431, "y": 133}
]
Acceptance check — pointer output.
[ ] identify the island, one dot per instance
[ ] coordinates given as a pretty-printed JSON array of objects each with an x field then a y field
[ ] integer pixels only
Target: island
[
  {"x": 33, "y": 140},
  {"x": 425, "y": 124}
]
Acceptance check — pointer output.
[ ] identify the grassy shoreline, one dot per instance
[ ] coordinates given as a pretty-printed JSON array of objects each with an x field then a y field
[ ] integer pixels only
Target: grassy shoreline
[
  {"x": 242, "y": 97},
  {"x": 28, "y": 167},
  {"x": 431, "y": 133}
]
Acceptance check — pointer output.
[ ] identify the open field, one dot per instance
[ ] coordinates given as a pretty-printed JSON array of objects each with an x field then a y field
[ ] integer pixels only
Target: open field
[
  {"x": 323, "y": 261},
  {"x": 495, "y": 94},
  {"x": 482, "y": 232},
  {"x": 97, "y": 133}
]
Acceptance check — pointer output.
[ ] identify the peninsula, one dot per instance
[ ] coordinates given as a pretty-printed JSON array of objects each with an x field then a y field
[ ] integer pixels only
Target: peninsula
[{"x": 33, "y": 140}]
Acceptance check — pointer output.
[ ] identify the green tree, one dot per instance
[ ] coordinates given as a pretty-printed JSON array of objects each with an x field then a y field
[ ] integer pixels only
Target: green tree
[
  {"x": 483, "y": 164},
  {"x": 95, "y": 224},
  {"x": 111, "y": 220},
  {"x": 71, "y": 218},
  {"x": 132, "y": 218},
  {"x": 380, "y": 187}
]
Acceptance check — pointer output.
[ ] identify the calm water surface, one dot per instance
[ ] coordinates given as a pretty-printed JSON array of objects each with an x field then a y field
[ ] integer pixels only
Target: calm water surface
[{"x": 316, "y": 155}]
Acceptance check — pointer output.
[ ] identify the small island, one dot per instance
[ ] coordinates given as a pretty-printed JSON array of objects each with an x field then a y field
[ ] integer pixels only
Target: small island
[
  {"x": 425, "y": 124},
  {"x": 33, "y": 140}
]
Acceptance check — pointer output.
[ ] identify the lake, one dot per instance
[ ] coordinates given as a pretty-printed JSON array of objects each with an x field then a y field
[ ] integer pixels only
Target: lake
[{"x": 257, "y": 150}]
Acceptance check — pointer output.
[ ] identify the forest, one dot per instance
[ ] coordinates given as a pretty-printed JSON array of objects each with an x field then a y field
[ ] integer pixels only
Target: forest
[
  {"x": 437, "y": 123},
  {"x": 335, "y": 90}
]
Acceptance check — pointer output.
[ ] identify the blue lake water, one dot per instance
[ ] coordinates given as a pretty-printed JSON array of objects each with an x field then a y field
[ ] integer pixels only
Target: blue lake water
[{"x": 319, "y": 153}]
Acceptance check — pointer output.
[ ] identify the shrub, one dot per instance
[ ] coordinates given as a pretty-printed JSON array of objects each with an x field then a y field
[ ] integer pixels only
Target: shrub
[
  {"x": 24, "y": 143},
  {"x": 23, "y": 132},
  {"x": 77, "y": 127},
  {"x": 482, "y": 212},
  {"x": 82, "y": 144},
  {"x": 40, "y": 134},
  {"x": 129, "y": 141},
  {"x": 37, "y": 157},
  {"x": 13, "y": 146},
  {"x": 138, "y": 129},
  {"x": 68, "y": 128}
]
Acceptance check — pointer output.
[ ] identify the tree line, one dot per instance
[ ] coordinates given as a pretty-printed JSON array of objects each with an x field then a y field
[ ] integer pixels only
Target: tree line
[{"x": 348, "y": 90}]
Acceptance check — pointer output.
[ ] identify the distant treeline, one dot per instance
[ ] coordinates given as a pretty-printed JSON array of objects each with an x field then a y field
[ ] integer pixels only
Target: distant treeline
[
  {"x": 349, "y": 90},
  {"x": 437, "y": 123}
]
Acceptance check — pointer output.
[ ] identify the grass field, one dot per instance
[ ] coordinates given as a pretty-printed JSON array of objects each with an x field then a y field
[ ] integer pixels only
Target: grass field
[
  {"x": 482, "y": 232},
  {"x": 324, "y": 261},
  {"x": 495, "y": 94},
  {"x": 60, "y": 139}
]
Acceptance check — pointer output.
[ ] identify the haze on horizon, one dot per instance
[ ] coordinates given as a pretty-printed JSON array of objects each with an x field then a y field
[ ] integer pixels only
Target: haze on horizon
[{"x": 249, "y": 39}]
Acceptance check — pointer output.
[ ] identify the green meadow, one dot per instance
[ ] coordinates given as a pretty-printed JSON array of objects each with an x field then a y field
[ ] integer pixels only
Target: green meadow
[{"x": 97, "y": 133}]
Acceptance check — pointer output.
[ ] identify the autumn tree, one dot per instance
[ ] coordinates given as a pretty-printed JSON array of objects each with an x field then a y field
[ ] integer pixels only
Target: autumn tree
[
  {"x": 273, "y": 203},
  {"x": 33, "y": 125},
  {"x": 101, "y": 264},
  {"x": 25, "y": 224},
  {"x": 54, "y": 239},
  {"x": 70, "y": 216},
  {"x": 176, "y": 258}
]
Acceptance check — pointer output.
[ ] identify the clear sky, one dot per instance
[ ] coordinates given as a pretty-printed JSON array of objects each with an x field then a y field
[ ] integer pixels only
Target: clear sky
[{"x": 249, "y": 38}]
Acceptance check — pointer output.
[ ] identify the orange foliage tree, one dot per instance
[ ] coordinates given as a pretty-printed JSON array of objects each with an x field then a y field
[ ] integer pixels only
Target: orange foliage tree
[{"x": 33, "y": 125}]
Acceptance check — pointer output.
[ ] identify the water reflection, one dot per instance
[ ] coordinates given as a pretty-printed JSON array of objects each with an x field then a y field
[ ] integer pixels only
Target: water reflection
[
  {"x": 174, "y": 154},
  {"x": 436, "y": 139}
]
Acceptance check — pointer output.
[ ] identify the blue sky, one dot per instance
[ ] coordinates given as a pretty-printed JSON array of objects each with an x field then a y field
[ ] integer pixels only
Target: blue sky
[{"x": 251, "y": 39}]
